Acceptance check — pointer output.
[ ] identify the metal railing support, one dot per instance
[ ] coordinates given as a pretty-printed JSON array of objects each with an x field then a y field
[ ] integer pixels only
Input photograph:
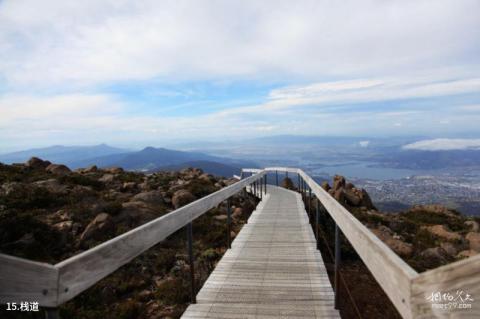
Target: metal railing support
[
  {"x": 193, "y": 295},
  {"x": 309, "y": 201},
  {"x": 317, "y": 221},
  {"x": 276, "y": 178},
  {"x": 265, "y": 177},
  {"x": 261, "y": 189},
  {"x": 337, "y": 264},
  {"x": 229, "y": 224}
]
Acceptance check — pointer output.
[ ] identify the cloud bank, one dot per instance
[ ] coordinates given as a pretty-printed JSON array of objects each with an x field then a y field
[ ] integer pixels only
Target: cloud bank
[
  {"x": 77, "y": 72},
  {"x": 444, "y": 144}
]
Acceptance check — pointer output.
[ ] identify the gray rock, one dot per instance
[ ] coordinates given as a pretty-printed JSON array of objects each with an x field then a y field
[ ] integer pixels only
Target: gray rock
[
  {"x": 101, "y": 224},
  {"x": 151, "y": 197},
  {"x": 37, "y": 163},
  {"x": 58, "y": 169},
  {"x": 181, "y": 198}
]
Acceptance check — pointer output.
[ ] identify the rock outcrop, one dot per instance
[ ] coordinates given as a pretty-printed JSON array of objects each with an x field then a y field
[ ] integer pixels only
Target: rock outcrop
[{"x": 425, "y": 236}]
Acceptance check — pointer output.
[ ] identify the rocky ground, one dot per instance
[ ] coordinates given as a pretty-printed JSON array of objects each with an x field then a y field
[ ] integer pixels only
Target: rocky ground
[
  {"x": 49, "y": 213},
  {"x": 425, "y": 236}
]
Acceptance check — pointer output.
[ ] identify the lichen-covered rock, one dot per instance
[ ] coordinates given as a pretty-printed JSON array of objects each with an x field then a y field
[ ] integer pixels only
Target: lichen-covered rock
[
  {"x": 181, "y": 198},
  {"x": 99, "y": 226},
  {"x": 443, "y": 232}
]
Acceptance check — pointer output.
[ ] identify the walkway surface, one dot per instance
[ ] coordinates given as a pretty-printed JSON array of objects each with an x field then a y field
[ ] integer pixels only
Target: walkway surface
[{"x": 273, "y": 269}]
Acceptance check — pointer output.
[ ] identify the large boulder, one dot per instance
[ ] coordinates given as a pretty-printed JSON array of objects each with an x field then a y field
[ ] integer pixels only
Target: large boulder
[
  {"x": 352, "y": 198},
  {"x": 442, "y": 231},
  {"x": 436, "y": 255},
  {"x": 151, "y": 197},
  {"x": 98, "y": 227},
  {"x": 474, "y": 241},
  {"x": 400, "y": 247},
  {"x": 58, "y": 169},
  {"x": 450, "y": 248},
  {"x": 366, "y": 201},
  {"x": 472, "y": 225},
  {"x": 107, "y": 178},
  {"x": 37, "y": 163},
  {"x": 136, "y": 213},
  {"x": 339, "y": 195},
  {"x": 181, "y": 198},
  {"x": 338, "y": 182}
]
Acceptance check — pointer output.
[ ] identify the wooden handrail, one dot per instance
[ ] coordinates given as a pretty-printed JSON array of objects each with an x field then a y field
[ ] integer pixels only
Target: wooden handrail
[
  {"x": 52, "y": 285},
  {"x": 407, "y": 289}
]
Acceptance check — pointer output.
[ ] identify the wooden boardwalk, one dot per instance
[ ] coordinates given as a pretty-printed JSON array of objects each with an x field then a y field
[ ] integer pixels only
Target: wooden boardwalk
[{"x": 273, "y": 269}]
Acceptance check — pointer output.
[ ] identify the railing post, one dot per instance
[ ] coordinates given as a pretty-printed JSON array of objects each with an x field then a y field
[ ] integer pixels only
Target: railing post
[
  {"x": 255, "y": 188},
  {"x": 265, "y": 177},
  {"x": 309, "y": 201},
  {"x": 191, "y": 262},
  {"x": 337, "y": 264},
  {"x": 317, "y": 220},
  {"x": 229, "y": 224},
  {"x": 261, "y": 187},
  {"x": 298, "y": 182},
  {"x": 51, "y": 313},
  {"x": 276, "y": 178}
]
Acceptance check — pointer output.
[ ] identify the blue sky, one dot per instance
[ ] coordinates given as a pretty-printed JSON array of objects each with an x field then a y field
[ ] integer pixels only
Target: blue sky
[{"x": 132, "y": 73}]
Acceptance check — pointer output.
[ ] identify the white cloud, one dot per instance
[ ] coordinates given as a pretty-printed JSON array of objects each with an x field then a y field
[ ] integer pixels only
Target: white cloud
[
  {"x": 88, "y": 42},
  {"x": 444, "y": 144}
]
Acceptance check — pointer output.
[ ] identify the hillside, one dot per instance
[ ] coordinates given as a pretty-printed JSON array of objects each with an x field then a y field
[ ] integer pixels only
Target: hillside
[{"x": 49, "y": 213}]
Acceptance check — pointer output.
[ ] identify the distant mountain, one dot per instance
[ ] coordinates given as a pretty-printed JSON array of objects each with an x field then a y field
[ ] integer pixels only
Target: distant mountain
[
  {"x": 148, "y": 159},
  {"x": 61, "y": 154},
  {"x": 152, "y": 159}
]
